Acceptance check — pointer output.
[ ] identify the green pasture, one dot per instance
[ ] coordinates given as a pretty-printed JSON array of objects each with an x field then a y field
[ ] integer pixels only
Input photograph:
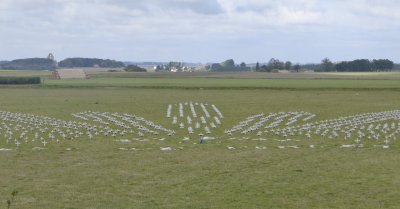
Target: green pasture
[
  {"x": 98, "y": 174},
  {"x": 260, "y": 75},
  {"x": 25, "y": 73},
  {"x": 226, "y": 83},
  {"x": 376, "y": 75}
]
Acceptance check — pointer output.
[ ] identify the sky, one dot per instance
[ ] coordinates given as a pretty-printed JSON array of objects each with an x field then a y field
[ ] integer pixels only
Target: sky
[{"x": 302, "y": 31}]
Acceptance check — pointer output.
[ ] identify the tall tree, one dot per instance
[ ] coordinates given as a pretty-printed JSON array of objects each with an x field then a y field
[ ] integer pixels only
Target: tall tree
[
  {"x": 265, "y": 68},
  {"x": 257, "y": 67},
  {"x": 382, "y": 65},
  {"x": 276, "y": 64},
  {"x": 216, "y": 67},
  {"x": 228, "y": 63},
  {"x": 288, "y": 65},
  {"x": 327, "y": 65},
  {"x": 359, "y": 65},
  {"x": 296, "y": 67}
]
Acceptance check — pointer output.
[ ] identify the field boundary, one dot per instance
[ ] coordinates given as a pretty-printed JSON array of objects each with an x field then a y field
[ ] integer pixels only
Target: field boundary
[{"x": 213, "y": 88}]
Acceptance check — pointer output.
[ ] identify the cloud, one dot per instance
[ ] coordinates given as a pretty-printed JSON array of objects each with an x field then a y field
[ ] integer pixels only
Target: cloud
[
  {"x": 179, "y": 16},
  {"x": 197, "y": 6},
  {"x": 194, "y": 25}
]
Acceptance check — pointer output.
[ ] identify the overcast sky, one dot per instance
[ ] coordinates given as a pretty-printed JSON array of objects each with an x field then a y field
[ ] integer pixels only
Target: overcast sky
[{"x": 201, "y": 30}]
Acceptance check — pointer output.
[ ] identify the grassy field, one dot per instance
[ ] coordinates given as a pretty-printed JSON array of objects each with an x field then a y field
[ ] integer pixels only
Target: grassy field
[
  {"x": 24, "y": 73},
  {"x": 259, "y": 75},
  {"x": 366, "y": 75},
  {"x": 227, "y": 83},
  {"x": 98, "y": 174}
]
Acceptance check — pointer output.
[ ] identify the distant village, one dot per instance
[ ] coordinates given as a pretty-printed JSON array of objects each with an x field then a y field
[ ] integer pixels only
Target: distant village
[{"x": 273, "y": 65}]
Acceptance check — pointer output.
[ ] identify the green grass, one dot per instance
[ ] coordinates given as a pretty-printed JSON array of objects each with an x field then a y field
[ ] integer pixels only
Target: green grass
[
  {"x": 25, "y": 73},
  {"x": 259, "y": 75},
  {"x": 395, "y": 74},
  {"x": 227, "y": 83},
  {"x": 202, "y": 177},
  {"x": 96, "y": 174}
]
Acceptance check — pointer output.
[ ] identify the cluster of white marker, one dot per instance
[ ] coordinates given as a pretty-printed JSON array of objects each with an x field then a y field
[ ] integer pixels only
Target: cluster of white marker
[
  {"x": 376, "y": 127},
  {"x": 123, "y": 123},
  {"x": 200, "y": 118},
  {"x": 269, "y": 121},
  {"x": 20, "y": 128},
  {"x": 195, "y": 117}
]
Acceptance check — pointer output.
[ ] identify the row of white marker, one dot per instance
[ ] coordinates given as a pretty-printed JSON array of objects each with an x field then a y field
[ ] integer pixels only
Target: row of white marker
[
  {"x": 19, "y": 128},
  {"x": 192, "y": 109},
  {"x": 192, "y": 121},
  {"x": 256, "y": 122},
  {"x": 124, "y": 121},
  {"x": 379, "y": 126}
]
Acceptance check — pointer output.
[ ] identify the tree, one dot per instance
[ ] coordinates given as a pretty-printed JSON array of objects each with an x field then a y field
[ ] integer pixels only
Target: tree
[
  {"x": 382, "y": 65},
  {"x": 276, "y": 64},
  {"x": 134, "y": 68},
  {"x": 342, "y": 66},
  {"x": 327, "y": 65},
  {"x": 216, "y": 67},
  {"x": 359, "y": 65},
  {"x": 29, "y": 64},
  {"x": 396, "y": 67},
  {"x": 265, "y": 68},
  {"x": 257, "y": 67},
  {"x": 229, "y": 66},
  {"x": 288, "y": 65},
  {"x": 90, "y": 62},
  {"x": 296, "y": 67},
  {"x": 228, "y": 63},
  {"x": 158, "y": 68}
]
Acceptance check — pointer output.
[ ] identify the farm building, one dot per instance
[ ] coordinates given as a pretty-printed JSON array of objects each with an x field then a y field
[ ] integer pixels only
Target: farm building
[{"x": 70, "y": 74}]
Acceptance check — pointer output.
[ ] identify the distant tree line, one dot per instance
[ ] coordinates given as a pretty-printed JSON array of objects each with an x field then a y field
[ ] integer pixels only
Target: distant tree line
[
  {"x": 90, "y": 62},
  {"x": 134, "y": 68},
  {"x": 358, "y": 65},
  {"x": 396, "y": 67},
  {"x": 49, "y": 64},
  {"x": 276, "y": 64},
  {"x": 228, "y": 66},
  {"x": 29, "y": 64}
]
